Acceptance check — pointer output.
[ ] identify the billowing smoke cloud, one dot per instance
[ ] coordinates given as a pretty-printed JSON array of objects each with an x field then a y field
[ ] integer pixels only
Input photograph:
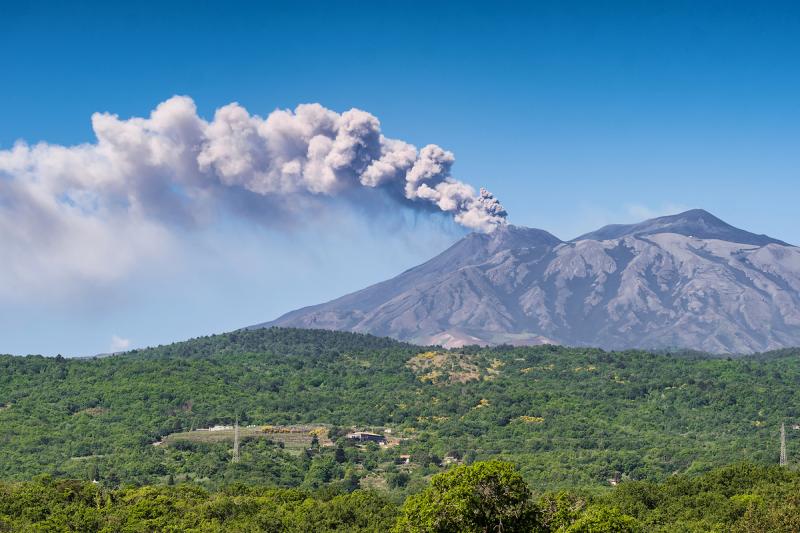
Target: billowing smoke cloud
[
  {"x": 143, "y": 175},
  {"x": 316, "y": 151}
]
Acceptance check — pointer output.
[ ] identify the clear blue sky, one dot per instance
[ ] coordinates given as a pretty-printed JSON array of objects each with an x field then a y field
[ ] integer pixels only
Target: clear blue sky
[{"x": 575, "y": 114}]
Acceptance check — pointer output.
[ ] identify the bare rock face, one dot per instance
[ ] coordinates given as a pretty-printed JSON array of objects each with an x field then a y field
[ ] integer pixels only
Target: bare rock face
[{"x": 683, "y": 281}]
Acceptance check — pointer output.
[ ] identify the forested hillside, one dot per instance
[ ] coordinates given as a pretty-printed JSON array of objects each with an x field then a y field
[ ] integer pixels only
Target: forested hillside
[{"x": 568, "y": 417}]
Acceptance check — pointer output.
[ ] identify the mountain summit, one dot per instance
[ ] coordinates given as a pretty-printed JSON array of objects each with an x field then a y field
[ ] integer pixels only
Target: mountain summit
[
  {"x": 694, "y": 223},
  {"x": 682, "y": 281}
]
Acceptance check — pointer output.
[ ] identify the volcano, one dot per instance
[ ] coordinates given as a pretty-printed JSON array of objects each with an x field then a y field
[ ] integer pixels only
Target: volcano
[{"x": 686, "y": 281}]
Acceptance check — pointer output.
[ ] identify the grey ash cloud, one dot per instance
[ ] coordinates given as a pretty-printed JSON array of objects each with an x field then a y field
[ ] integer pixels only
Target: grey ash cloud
[{"x": 93, "y": 210}]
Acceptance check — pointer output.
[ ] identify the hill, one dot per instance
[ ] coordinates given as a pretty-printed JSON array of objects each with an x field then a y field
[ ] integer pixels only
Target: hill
[
  {"x": 569, "y": 417},
  {"x": 687, "y": 281}
]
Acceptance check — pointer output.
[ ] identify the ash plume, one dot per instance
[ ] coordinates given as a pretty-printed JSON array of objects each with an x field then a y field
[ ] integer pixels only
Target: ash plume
[
  {"x": 156, "y": 163},
  {"x": 95, "y": 209}
]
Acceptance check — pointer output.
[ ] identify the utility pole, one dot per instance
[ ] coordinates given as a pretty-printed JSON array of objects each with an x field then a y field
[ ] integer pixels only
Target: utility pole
[
  {"x": 236, "y": 441},
  {"x": 783, "y": 445}
]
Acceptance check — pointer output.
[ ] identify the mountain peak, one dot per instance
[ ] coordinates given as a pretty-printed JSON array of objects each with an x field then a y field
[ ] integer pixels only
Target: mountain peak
[
  {"x": 693, "y": 223},
  {"x": 524, "y": 286},
  {"x": 509, "y": 236},
  {"x": 478, "y": 247}
]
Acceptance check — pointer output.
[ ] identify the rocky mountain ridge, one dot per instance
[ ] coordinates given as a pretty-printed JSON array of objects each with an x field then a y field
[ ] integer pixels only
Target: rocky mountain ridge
[{"x": 687, "y": 281}]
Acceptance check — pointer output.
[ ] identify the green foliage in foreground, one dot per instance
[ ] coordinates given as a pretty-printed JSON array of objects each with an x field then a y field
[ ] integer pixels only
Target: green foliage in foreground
[
  {"x": 486, "y": 496},
  {"x": 479, "y": 498},
  {"x": 64, "y": 505},
  {"x": 569, "y": 417}
]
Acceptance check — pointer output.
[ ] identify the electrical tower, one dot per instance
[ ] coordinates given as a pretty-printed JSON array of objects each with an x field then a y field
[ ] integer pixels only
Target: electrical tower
[
  {"x": 783, "y": 445},
  {"x": 236, "y": 441}
]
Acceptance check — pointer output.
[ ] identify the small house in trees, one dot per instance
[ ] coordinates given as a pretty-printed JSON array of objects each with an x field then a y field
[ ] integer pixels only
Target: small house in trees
[{"x": 363, "y": 436}]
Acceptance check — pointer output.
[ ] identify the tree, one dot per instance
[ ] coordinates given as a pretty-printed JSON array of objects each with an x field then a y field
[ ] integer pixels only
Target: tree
[
  {"x": 398, "y": 480},
  {"x": 487, "y": 496},
  {"x": 339, "y": 454},
  {"x": 322, "y": 470},
  {"x": 601, "y": 519},
  {"x": 561, "y": 509}
]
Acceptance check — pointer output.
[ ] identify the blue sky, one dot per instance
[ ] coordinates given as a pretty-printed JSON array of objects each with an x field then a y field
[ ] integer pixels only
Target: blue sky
[{"x": 575, "y": 114}]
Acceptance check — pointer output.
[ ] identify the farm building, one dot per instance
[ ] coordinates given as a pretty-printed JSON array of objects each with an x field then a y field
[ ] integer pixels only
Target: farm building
[{"x": 363, "y": 436}]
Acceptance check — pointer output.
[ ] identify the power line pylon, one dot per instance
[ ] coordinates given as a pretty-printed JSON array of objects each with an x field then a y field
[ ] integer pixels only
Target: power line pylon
[
  {"x": 783, "y": 462},
  {"x": 236, "y": 441}
]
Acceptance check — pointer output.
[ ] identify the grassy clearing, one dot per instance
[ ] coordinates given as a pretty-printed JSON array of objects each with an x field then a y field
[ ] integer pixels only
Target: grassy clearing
[
  {"x": 292, "y": 437},
  {"x": 437, "y": 367}
]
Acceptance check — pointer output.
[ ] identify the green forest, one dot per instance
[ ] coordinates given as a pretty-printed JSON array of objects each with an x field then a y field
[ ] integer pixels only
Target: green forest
[
  {"x": 619, "y": 427},
  {"x": 741, "y": 498}
]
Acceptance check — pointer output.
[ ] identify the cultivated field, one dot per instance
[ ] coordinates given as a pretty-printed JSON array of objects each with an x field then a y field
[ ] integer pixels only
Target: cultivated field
[{"x": 292, "y": 437}]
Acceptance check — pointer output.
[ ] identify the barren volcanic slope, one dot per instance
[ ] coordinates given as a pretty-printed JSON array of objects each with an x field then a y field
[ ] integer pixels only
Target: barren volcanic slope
[{"x": 683, "y": 281}]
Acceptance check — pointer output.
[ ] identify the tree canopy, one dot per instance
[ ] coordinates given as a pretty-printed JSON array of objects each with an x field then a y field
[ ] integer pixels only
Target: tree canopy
[{"x": 482, "y": 497}]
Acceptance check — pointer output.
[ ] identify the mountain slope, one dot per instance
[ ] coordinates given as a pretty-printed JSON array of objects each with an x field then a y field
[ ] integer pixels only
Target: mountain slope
[
  {"x": 683, "y": 281},
  {"x": 694, "y": 223}
]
